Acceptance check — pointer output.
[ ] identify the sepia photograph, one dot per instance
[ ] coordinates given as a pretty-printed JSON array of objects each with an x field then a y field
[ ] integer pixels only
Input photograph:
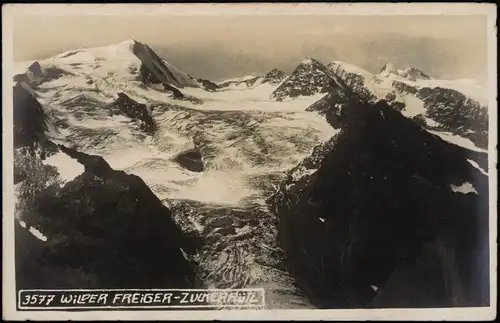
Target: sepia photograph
[{"x": 249, "y": 161}]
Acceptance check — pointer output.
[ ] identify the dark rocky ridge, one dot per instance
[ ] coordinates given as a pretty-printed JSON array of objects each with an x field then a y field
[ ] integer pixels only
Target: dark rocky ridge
[
  {"x": 375, "y": 201},
  {"x": 309, "y": 77},
  {"x": 249, "y": 82},
  {"x": 154, "y": 64},
  {"x": 354, "y": 81},
  {"x": 453, "y": 111},
  {"x": 136, "y": 111},
  {"x": 208, "y": 85},
  {"x": 105, "y": 229},
  {"x": 30, "y": 124},
  {"x": 148, "y": 78}
]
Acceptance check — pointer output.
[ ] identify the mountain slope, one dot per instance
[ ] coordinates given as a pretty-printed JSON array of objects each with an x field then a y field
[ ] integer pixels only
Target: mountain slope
[
  {"x": 100, "y": 223},
  {"x": 380, "y": 198},
  {"x": 456, "y": 110}
]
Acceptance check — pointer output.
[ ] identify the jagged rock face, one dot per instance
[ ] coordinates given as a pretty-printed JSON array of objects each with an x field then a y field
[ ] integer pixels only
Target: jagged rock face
[
  {"x": 275, "y": 76},
  {"x": 147, "y": 77},
  {"x": 102, "y": 223},
  {"x": 36, "y": 69},
  {"x": 208, "y": 85},
  {"x": 162, "y": 70},
  {"x": 175, "y": 92},
  {"x": 309, "y": 78},
  {"x": 251, "y": 82},
  {"x": 376, "y": 198},
  {"x": 248, "y": 82},
  {"x": 154, "y": 64},
  {"x": 29, "y": 118},
  {"x": 331, "y": 104},
  {"x": 30, "y": 121},
  {"x": 453, "y": 111},
  {"x": 356, "y": 82},
  {"x": 136, "y": 111}
]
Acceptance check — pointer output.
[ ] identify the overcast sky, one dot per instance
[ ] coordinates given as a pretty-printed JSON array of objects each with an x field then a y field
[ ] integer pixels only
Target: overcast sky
[{"x": 218, "y": 47}]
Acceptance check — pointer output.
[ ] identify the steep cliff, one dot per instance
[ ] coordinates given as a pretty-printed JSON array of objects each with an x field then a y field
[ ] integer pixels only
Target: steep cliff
[
  {"x": 103, "y": 229},
  {"x": 382, "y": 196}
]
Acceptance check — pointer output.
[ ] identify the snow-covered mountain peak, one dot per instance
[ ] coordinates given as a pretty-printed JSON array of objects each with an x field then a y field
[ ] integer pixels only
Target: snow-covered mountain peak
[
  {"x": 114, "y": 64},
  {"x": 409, "y": 73},
  {"x": 127, "y": 42},
  {"x": 309, "y": 78},
  {"x": 455, "y": 106},
  {"x": 123, "y": 50},
  {"x": 308, "y": 60},
  {"x": 387, "y": 69},
  {"x": 124, "y": 47}
]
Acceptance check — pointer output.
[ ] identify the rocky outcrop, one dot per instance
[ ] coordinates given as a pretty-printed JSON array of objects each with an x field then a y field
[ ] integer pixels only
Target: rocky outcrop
[
  {"x": 158, "y": 68},
  {"x": 149, "y": 78},
  {"x": 208, "y": 85},
  {"x": 176, "y": 94},
  {"x": 104, "y": 229},
  {"x": 30, "y": 123},
  {"x": 309, "y": 78},
  {"x": 274, "y": 77},
  {"x": 191, "y": 160},
  {"x": 354, "y": 77},
  {"x": 37, "y": 74},
  {"x": 378, "y": 200},
  {"x": 135, "y": 111}
]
